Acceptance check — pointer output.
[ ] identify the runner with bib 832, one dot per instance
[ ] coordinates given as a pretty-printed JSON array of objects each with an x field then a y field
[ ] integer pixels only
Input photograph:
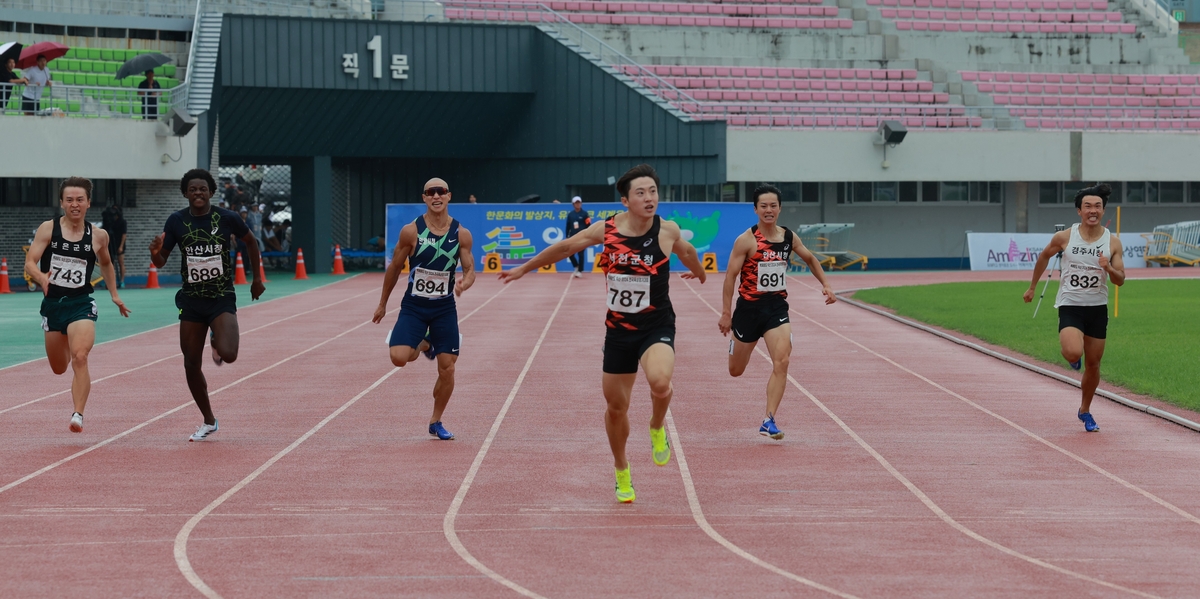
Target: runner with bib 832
[{"x": 1090, "y": 256}]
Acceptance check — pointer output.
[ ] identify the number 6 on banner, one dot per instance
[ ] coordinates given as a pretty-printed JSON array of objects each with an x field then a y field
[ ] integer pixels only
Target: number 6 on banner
[
  {"x": 491, "y": 263},
  {"x": 548, "y": 268},
  {"x": 710, "y": 262}
]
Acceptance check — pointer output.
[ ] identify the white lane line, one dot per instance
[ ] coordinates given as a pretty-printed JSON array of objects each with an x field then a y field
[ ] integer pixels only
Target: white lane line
[
  {"x": 176, "y": 355},
  {"x": 181, "y": 539},
  {"x": 455, "y": 505},
  {"x": 255, "y": 304},
  {"x": 1032, "y": 435},
  {"x": 929, "y": 503},
  {"x": 702, "y": 521}
]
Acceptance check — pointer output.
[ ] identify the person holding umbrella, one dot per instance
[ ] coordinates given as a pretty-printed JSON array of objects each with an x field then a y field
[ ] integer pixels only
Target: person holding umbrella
[
  {"x": 9, "y": 53},
  {"x": 149, "y": 98},
  {"x": 36, "y": 78}
]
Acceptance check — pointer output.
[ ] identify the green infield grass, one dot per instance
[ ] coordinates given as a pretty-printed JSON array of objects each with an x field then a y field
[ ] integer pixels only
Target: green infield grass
[
  {"x": 1153, "y": 347},
  {"x": 21, "y": 325}
]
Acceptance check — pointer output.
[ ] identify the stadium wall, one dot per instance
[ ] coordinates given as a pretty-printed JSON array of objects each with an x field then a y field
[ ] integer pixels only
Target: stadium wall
[{"x": 109, "y": 148}]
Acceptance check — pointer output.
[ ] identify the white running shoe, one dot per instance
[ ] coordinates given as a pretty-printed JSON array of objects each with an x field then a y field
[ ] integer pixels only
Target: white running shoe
[
  {"x": 577, "y": 275},
  {"x": 77, "y": 422},
  {"x": 204, "y": 431}
]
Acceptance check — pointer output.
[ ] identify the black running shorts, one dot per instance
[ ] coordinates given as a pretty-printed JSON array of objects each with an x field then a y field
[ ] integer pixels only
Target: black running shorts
[
  {"x": 623, "y": 349},
  {"x": 204, "y": 309},
  {"x": 752, "y": 319},
  {"x": 1092, "y": 320}
]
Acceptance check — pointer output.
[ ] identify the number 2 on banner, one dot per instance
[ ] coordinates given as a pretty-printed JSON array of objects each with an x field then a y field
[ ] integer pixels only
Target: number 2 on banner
[
  {"x": 491, "y": 263},
  {"x": 710, "y": 262}
]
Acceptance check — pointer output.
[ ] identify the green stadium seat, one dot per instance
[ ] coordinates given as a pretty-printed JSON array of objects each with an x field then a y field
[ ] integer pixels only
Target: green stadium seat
[
  {"x": 112, "y": 67},
  {"x": 90, "y": 80},
  {"x": 70, "y": 53},
  {"x": 66, "y": 78},
  {"x": 93, "y": 53},
  {"x": 74, "y": 105},
  {"x": 106, "y": 81},
  {"x": 106, "y": 54},
  {"x": 170, "y": 70},
  {"x": 86, "y": 66},
  {"x": 72, "y": 65}
]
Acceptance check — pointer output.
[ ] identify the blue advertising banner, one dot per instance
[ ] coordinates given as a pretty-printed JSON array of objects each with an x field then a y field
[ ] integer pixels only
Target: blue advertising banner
[{"x": 517, "y": 232}]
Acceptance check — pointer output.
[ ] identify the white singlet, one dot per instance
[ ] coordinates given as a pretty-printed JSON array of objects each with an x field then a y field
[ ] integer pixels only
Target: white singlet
[{"x": 1083, "y": 282}]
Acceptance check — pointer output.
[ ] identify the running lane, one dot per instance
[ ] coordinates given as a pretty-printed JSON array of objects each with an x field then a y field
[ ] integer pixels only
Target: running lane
[
  {"x": 104, "y": 523},
  {"x": 357, "y": 509},
  {"x": 1048, "y": 524}
]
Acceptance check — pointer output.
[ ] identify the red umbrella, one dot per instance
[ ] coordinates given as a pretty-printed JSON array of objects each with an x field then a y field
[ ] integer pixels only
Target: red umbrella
[{"x": 50, "y": 50}]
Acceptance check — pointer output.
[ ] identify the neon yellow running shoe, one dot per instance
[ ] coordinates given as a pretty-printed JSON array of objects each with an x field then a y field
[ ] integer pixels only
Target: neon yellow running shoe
[
  {"x": 625, "y": 492},
  {"x": 662, "y": 449}
]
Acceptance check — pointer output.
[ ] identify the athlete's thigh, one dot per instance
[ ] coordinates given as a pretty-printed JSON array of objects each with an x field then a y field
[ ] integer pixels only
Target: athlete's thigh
[
  {"x": 1093, "y": 348},
  {"x": 658, "y": 362},
  {"x": 1071, "y": 340},
  {"x": 191, "y": 338},
  {"x": 779, "y": 340},
  {"x": 617, "y": 389},
  {"x": 741, "y": 352},
  {"x": 81, "y": 335},
  {"x": 445, "y": 361},
  {"x": 225, "y": 325},
  {"x": 58, "y": 350},
  {"x": 443, "y": 331}
]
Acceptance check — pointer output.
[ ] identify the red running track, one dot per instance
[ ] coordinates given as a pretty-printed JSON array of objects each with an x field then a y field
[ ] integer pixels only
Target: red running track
[{"x": 911, "y": 467}]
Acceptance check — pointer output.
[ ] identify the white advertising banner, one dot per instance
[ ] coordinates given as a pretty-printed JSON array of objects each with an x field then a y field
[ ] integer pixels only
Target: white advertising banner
[{"x": 1019, "y": 251}]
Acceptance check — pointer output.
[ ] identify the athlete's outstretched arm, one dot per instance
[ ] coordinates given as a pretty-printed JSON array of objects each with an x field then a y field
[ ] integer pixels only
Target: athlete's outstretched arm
[
  {"x": 161, "y": 246},
  {"x": 687, "y": 253},
  {"x": 465, "y": 241},
  {"x": 742, "y": 246},
  {"x": 572, "y": 245},
  {"x": 1057, "y": 244},
  {"x": 41, "y": 241},
  {"x": 1115, "y": 266},
  {"x": 104, "y": 261},
  {"x": 815, "y": 266},
  {"x": 405, "y": 245},
  {"x": 256, "y": 285}
]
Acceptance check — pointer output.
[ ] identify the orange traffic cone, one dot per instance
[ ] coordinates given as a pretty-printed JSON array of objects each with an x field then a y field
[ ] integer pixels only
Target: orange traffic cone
[
  {"x": 301, "y": 272},
  {"x": 338, "y": 268},
  {"x": 152, "y": 278},
  {"x": 239, "y": 273},
  {"x": 4, "y": 288},
  {"x": 262, "y": 274}
]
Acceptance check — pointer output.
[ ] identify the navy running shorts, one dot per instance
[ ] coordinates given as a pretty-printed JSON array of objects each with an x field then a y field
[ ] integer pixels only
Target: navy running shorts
[
  {"x": 753, "y": 319},
  {"x": 204, "y": 310},
  {"x": 439, "y": 321},
  {"x": 59, "y": 313},
  {"x": 623, "y": 349},
  {"x": 1092, "y": 320}
]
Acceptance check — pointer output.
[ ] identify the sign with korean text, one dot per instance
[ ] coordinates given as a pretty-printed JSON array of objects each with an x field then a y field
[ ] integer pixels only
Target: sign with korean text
[{"x": 398, "y": 64}]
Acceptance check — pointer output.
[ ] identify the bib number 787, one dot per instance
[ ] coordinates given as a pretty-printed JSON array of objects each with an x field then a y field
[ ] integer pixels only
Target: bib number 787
[{"x": 628, "y": 293}]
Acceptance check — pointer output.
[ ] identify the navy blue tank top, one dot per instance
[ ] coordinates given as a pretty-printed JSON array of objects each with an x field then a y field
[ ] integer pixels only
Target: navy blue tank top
[{"x": 432, "y": 265}]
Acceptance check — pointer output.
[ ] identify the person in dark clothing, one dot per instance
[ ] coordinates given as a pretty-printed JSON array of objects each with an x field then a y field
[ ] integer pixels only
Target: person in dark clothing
[
  {"x": 149, "y": 98},
  {"x": 8, "y": 78},
  {"x": 118, "y": 229},
  {"x": 577, "y": 220}
]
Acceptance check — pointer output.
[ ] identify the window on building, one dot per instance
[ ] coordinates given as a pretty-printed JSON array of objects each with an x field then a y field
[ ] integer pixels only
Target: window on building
[
  {"x": 862, "y": 192},
  {"x": 113, "y": 32},
  {"x": 143, "y": 34},
  {"x": 996, "y": 192},
  {"x": 1048, "y": 192},
  {"x": 23, "y": 27},
  {"x": 1170, "y": 193},
  {"x": 954, "y": 191},
  {"x": 82, "y": 31},
  {"x": 1135, "y": 192},
  {"x": 1070, "y": 188},
  {"x": 909, "y": 191},
  {"x": 1194, "y": 195},
  {"x": 810, "y": 193},
  {"x": 49, "y": 29},
  {"x": 930, "y": 191},
  {"x": 6, "y": 25},
  {"x": 885, "y": 192},
  {"x": 173, "y": 36},
  {"x": 790, "y": 193}
]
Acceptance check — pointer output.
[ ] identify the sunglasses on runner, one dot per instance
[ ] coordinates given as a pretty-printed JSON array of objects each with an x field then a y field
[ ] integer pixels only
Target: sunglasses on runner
[{"x": 436, "y": 191}]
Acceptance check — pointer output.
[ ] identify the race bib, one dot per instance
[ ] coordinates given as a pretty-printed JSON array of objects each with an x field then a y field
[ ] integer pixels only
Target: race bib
[
  {"x": 67, "y": 272},
  {"x": 430, "y": 284},
  {"x": 628, "y": 293},
  {"x": 772, "y": 276},
  {"x": 204, "y": 268},
  {"x": 1078, "y": 277}
]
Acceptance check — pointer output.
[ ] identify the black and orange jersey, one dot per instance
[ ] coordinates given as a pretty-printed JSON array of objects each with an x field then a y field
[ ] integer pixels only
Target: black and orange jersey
[
  {"x": 637, "y": 273},
  {"x": 764, "y": 273}
]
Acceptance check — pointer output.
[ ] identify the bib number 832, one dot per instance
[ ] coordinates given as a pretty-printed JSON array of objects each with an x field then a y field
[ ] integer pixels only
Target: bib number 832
[{"x": 1083, "y": 281}]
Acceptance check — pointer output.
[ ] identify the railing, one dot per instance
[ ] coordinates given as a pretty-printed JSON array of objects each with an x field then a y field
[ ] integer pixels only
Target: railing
[
  {"x": 99, "y": 102},
  {"x": 538, "y": 13},
  {"x": 185, "y": 8}
]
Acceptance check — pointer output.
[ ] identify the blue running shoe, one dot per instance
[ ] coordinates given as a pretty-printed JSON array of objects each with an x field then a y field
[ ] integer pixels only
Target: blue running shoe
[
  {"x": 1077, "y": 364},
  {"x": 436, "y": 429},
  {"x": 429, "y": 352},
  {"x": 768, "y": 429},
  {"x": 1089, "y": 423}
]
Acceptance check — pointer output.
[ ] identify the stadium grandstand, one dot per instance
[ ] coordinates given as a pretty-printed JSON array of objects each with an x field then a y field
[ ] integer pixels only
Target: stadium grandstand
[{"x": 1004, "y": 109}]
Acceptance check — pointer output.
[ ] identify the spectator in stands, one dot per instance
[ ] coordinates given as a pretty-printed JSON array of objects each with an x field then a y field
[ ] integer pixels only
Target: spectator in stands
[
  {"x": 36, "y": 78},
  {"x": 241, "y": 243},
  {"x": 472, "y": 199},
  {"x": 8, "y": 78},
  {"x": 149, "y": 98},
  {"x": 229, "y": 192},
  {"x": 271, "y": 238},
  {"x": 254, "y": 179},
  {"x": 255, "y": 221},
  {"x": 376, "y": 243},
  {"x": 577, "y": 220},
  {"x": 285, "y": 235},
  {"x": 118, "y": 231},
  {"x": 241, "y": 198}
]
